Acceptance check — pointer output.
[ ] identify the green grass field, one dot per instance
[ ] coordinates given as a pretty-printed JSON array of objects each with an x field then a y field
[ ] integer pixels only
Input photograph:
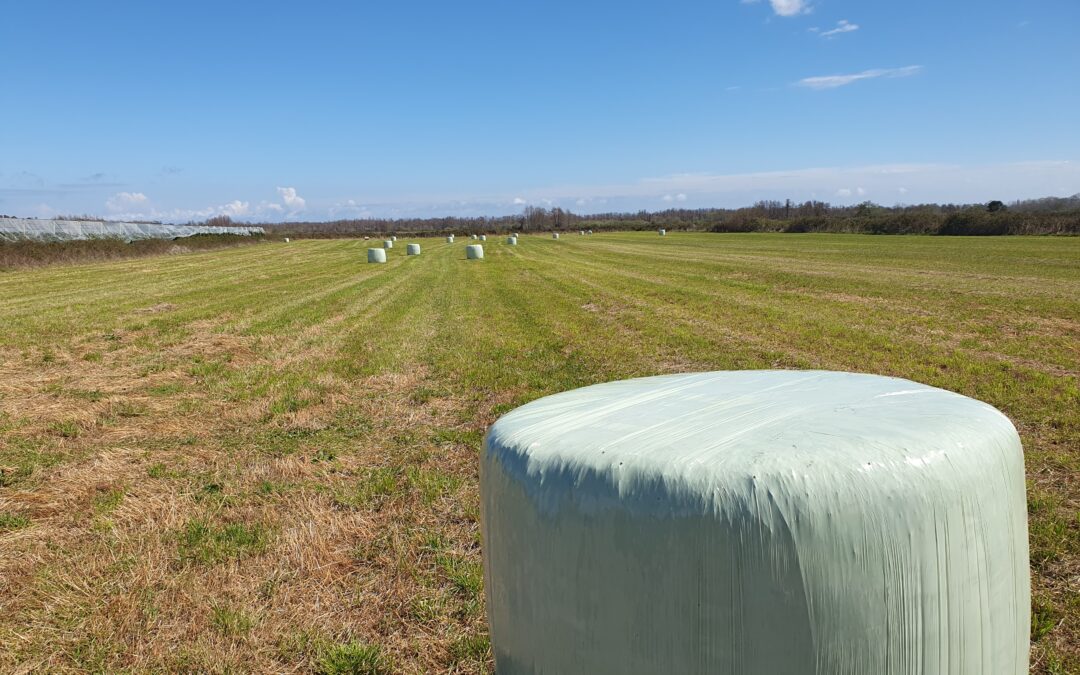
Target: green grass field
[{"x": 265, "y": 458}]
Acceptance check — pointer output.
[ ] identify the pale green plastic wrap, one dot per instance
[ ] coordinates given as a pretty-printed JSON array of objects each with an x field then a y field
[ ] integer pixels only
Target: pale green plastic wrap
[
  {"x": 757, "y": 522},
  {"x": 388, "y": 244},
  {"x": 474, "y": 252},
  {"x": 450, "y": 239},
  {"x": 483, "y": 237},
  {"x": 512, "y": 241},
  {"x": 412, "y": 249},
  {"x": 376, "y": 255}
]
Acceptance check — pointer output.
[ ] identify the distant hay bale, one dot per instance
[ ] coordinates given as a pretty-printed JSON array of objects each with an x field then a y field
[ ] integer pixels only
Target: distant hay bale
[
  {"x": 474, "y": 252},
  {"x": 286, "y": 240},
  {"x": 662, "y": 232},
  {"x": 393, "y": 238},
  {"x": 512, "y": 241},
  {"x": 581, "y": 233},
  {"x": 475, "y": 237},
  {"x": 756, "y": 522},
  {"x": 450, "y": 239},
  {"x": 554, "y": 235},
  {"x": 376, "y": 255},
  {"x": 589, "y": 231},
  {"x": 483, "y": 237},
  {"x": 412, "y": 249},
  {"x": 388, "y": 244}
]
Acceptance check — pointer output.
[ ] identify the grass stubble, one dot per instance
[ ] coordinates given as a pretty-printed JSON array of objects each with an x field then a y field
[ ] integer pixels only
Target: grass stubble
[{"x": 265, "y": 458}]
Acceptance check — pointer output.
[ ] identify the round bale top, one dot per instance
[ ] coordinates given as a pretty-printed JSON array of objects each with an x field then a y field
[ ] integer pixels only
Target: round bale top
[{"x": 701, "y": 441}]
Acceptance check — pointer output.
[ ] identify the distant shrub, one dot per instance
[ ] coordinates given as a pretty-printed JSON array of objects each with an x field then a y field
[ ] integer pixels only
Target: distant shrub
[{"x": 18, "y": 254}]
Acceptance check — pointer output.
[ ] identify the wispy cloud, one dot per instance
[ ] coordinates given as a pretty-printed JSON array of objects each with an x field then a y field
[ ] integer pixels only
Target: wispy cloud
[
  {"x": 842, "y": 26},
  {"x": 834, "y": 81},
  {"x": 786, "y": 7}
]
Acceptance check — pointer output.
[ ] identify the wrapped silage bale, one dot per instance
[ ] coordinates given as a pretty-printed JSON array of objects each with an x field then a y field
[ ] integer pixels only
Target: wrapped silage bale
[
  {"x": 581, "y": 233},
  {"x": 450, "y": 239},
  {"x": 483, "y": 237},
  {"x": 388, "y": 243},
  {"x": 590, "y": 231},
  {"x": 474, "y": 237},
  {"x": 512, "y": 241},
  {"x": 286, "y": 240},
  {"x": 555, "y": 235},
  {"x": 412, "y": 249},
  {"x": 474, "y": 252},
  {"x": 376, "y": 255},
  {"x": 756, "y": 522},
  {"x": 393, "y": 238},
  {"x": 662, "y": 232}
]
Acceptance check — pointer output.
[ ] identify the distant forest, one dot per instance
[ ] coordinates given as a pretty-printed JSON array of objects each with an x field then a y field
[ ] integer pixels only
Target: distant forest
[{"x": 1050, "y": 215}]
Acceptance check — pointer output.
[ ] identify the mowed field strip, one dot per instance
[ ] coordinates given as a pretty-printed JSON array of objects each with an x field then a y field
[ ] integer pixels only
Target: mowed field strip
[{"x": 265, "y": 458}]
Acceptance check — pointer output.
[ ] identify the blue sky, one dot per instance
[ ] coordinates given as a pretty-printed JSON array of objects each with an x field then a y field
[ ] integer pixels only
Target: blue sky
[{"x": 317, "y": 110}]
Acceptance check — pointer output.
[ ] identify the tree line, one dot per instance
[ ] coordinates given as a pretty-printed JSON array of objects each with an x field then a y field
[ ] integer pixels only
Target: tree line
[{"x": 1051, "y": 215}]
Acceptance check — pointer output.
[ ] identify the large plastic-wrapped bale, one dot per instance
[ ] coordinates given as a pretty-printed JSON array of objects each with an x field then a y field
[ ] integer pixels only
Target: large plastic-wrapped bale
[
  {"x": 756, "y": 522},
  {"x": 512, "y": 241},
  {"x": 412, "y": 249},
  {"x": 662, "y": 232},
  {"x": 376, "y": 255},
  {"x": 474, "y": 252},
  {"x": 450, "y": 239},
  {"x": 554, "y": 235},
  {"x": 388, "y": 243}
]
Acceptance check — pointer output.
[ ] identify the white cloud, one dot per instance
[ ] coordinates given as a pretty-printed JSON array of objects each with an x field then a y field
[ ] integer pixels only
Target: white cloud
[
  {"x": 122, "y": 201},
  {"x": 842, "y": 26},
  {"x": 674, "y": 198},
  {"x": 843, "y": 192},
  {"x": 834, "y": 81},
  {"x": 860, "y": 191},
  {"x": 235, "y": 209},
  {"x": 786, "y": 7},
  {"x": 790, "y": 7},
  {"x": 292, "y": 200},
  {"x": 519, "y": 201}
]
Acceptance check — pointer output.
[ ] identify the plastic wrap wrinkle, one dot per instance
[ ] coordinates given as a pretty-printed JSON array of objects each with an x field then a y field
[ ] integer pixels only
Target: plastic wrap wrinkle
[{"x": 767, "y": 521}]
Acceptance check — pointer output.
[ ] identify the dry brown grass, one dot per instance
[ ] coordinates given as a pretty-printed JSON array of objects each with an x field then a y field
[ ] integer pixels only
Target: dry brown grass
[{"x": 99, "y": 579}]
